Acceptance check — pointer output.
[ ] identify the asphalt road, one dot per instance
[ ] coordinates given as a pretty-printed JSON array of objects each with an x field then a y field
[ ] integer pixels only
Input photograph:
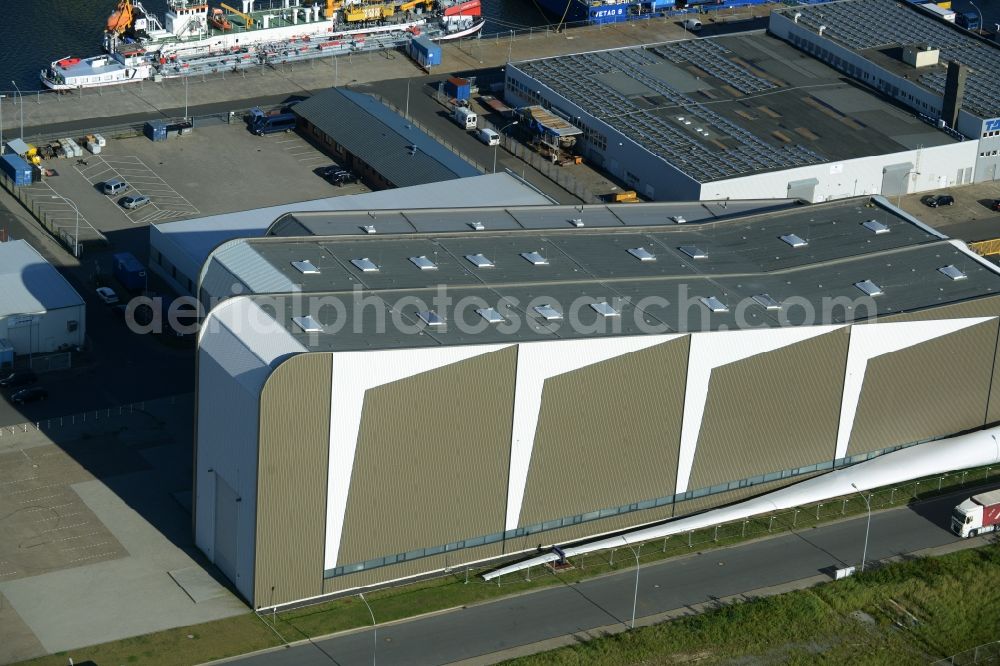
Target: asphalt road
[{"x": 550, "y": 613}]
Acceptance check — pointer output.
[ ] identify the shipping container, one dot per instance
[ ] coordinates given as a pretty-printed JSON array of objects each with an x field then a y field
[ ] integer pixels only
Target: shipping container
[
  {"x": 16, "y": 169},
  {"x": 129, "y": 271},
  {"x": 425, "y": 52},
  {"x": 156, "y": 130},
  {"x": 458, "y": 88}
]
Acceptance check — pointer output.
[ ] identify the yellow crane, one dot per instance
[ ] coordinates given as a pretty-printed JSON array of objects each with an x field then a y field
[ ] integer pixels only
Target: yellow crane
[
  {"x": 407, "y": 6},
  {"x": 368, "y": 12},
  {"x": 247, "y": 19}
]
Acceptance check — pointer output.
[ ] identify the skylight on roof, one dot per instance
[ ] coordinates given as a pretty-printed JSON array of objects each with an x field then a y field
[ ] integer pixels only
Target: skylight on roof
[
  {"x": 490, "y": 315},
  {"x": 875, "y": 227},
  {"x": 678, "y": 219},
  {"x": 952, "y": 272},
  {"x": 368, "y": 228},
  {"x": 305, "y": 267},
  {"x": 794, "y": 240},
  {"x": 765, "y": 301},
  {"x": 430, "y": 318},
  {"x": 576, "y": 222},
  {"x": 604, "y": 309},
  {"x": 548, "y": 312},
  {"x": 693, "y": 251},
  {"x": 308, "y": 324},
  {"x": 535, "y": 258},
  {"x": 642, "y": 254},
  {"x": 869, "y": 287},
  {"x": 477, "y": 226},
  {"x": 365, "y": 265},
  {"x": 479, "y": 260},
  {"x": 423, "y": 263},
  {"x": 714, "y": 304}
]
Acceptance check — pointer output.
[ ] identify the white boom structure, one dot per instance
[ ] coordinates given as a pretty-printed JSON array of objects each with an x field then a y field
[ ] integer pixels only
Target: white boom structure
[{"x": 965, "y": 451}]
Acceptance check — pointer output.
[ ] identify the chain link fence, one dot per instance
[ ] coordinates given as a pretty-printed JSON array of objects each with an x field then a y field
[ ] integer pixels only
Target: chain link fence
[{"x": 981, "y": 654}]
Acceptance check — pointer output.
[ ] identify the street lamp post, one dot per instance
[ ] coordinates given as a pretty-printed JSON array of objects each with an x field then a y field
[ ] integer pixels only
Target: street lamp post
[
  {"x": 496, "y": 148},
  {"x": 906, "y": 182},
  {"x": 864, "y": 553},
  {"x": 978, "y": 12},
  {"x": 374, "y": 627},
  {"x": 76, "y": 232},
  {"x": 21, "y": 104},
  {"x": 635, "y": 595}
]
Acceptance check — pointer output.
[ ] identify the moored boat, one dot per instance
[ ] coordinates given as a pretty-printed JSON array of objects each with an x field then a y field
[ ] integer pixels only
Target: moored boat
[{"x": 194, "y": 38}]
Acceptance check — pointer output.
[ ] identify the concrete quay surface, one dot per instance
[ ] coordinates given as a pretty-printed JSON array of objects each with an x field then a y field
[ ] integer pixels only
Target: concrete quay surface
[{"x": 48, "y": 113}]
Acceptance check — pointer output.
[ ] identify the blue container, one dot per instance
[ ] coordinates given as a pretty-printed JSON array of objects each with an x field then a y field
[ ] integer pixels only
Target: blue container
[
  {"x": 156, "y": 130},
  {"x": 425, "y": 52},
  {"x": 129, "y": 271},
  {"x": 458, "y": 88},
  {"x": 16, "y": 169}
]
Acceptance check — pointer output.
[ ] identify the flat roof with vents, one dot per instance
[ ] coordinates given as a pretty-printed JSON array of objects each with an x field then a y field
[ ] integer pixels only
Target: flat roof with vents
[
  {"x": 593, "y": 278},
  {"x": 724, "y": 107}
]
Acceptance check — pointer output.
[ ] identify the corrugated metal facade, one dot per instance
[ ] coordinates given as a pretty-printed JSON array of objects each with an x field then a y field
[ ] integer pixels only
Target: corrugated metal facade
[
  {"x": 292, "y": 480},
  {"x": 772, "y": 411},
  {"x": 608, "y": 434},
  {"x": 433, "y": 445},
  {"x": 932, "y": 389}
]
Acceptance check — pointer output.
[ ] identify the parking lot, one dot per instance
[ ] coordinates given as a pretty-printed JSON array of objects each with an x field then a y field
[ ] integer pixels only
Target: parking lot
[
  {"x": 970, "y": 218},
  {"x": 165, "y": 201}
]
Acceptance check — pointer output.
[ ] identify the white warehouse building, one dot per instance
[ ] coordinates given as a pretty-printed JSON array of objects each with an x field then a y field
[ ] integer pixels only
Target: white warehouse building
[
  {"x": 40, "y": 312},
  {"x": 742, "y": 116}
]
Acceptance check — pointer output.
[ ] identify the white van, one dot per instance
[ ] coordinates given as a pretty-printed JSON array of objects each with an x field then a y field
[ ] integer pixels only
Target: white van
[
  {"x": 692, "y": 25},
  {"x": 465, "y": 117},
  {"x": 488, "y": 136},
  {"x": 115, "y": 186}
]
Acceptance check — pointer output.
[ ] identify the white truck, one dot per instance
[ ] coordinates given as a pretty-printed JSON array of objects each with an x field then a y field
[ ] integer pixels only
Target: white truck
[
  {"x": 465, "y": 117},
  {"x": 977, "y": 515}
]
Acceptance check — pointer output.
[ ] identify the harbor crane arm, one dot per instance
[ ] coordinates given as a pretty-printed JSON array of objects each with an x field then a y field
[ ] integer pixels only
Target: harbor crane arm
[{"x": 247, "y": 19}]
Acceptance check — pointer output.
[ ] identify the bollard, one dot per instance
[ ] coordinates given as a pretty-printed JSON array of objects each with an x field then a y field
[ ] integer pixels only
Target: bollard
[
  {"x": 770, "y": 522},
  {"x": 716, "y": 537}
]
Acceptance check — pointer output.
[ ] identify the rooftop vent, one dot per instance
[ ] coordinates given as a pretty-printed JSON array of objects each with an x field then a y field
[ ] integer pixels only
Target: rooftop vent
[
  {"x": 430, "y": 318},
  {"x": 765, "y": 301},
  {"x": 479, "y": 260},
  {"x": 477, "y": 226},
  {"x": 678, "y": 219},
  {"x": 368, "y": 228},
  {"x": 423, "y": 263},
  {"x": 604, "y": 309},
  {"x": 952, "y": 272},
  {"x": 365, "y": 265},
  {"x": 576, "y": 222},
  {"x": 876, "y": 227},
  {"x": 693, "y": 252},
  {"x": 535, "y": 258},
  {"x": 794, "y": 240},
  {"x": 714, "y": 304},
  {"x": 548, "y": 312},
  {"x": 920, "y": 55},
  {"x": 308, "y": 324},
  {"x": 490, "y": 315},
  {"x": 642, "y": 254},
  {"x": 869, "y": 287},
  {"x": 305, "y": 267}
]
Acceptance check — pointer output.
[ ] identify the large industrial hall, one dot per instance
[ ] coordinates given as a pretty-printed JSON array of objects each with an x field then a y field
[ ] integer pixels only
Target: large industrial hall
[{"x": 355, "y": 429}]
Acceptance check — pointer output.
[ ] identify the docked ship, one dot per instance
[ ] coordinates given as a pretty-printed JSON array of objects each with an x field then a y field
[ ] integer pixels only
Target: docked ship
[
  {"x": 194, "y": 38},
  {"x": 614, "y": 11}
]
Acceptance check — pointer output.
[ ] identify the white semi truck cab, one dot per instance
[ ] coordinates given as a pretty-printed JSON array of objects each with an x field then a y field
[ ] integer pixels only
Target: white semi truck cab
[{"x": 977, "y": 515}]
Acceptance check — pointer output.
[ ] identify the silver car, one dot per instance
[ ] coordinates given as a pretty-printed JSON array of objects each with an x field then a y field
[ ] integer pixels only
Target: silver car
[{"x": 134, "y": 202}]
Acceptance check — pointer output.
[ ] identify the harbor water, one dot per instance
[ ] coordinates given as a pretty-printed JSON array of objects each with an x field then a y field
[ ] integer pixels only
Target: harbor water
[{"x": 34, "y": 33}]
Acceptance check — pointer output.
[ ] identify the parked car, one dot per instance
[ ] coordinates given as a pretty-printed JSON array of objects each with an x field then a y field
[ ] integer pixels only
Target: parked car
[
  {"x": 115, "y": 186},
  {"x": 338, "y": 176},
  {"x": 107, "y": 294},
  {"x": 133, "y": 202},
  {"x": 18, "y": 379},
  {"x": 935, "y": 200},
  {"x": 31, "y": 394},
  {"x": 996, "y": 205}
]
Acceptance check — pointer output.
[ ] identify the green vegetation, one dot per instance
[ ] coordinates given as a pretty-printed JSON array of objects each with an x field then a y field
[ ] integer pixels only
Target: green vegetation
[
  {"x": 912, "y": 612},
  {"x": 247, "y": 632}
]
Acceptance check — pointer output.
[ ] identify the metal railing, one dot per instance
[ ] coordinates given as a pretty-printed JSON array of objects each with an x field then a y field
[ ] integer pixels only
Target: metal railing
[{"x": 988, "y": 653}]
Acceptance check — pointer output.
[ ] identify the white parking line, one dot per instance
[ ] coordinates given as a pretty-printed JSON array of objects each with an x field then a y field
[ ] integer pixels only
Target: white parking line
[{"x": 165, "y": 201}]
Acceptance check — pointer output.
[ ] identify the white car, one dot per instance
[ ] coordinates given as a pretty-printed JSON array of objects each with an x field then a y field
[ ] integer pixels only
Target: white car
[
  {"x": 107, "y": 294},
  {"x": 488, "y": 136}
]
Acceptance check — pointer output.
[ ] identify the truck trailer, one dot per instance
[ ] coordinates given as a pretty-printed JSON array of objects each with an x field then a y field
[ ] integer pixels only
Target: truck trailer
[{"x": 977, "y": 515}]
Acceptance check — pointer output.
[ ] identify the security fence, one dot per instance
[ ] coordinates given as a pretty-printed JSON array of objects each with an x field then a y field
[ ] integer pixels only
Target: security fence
[{"x": 988, "y": 653}]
